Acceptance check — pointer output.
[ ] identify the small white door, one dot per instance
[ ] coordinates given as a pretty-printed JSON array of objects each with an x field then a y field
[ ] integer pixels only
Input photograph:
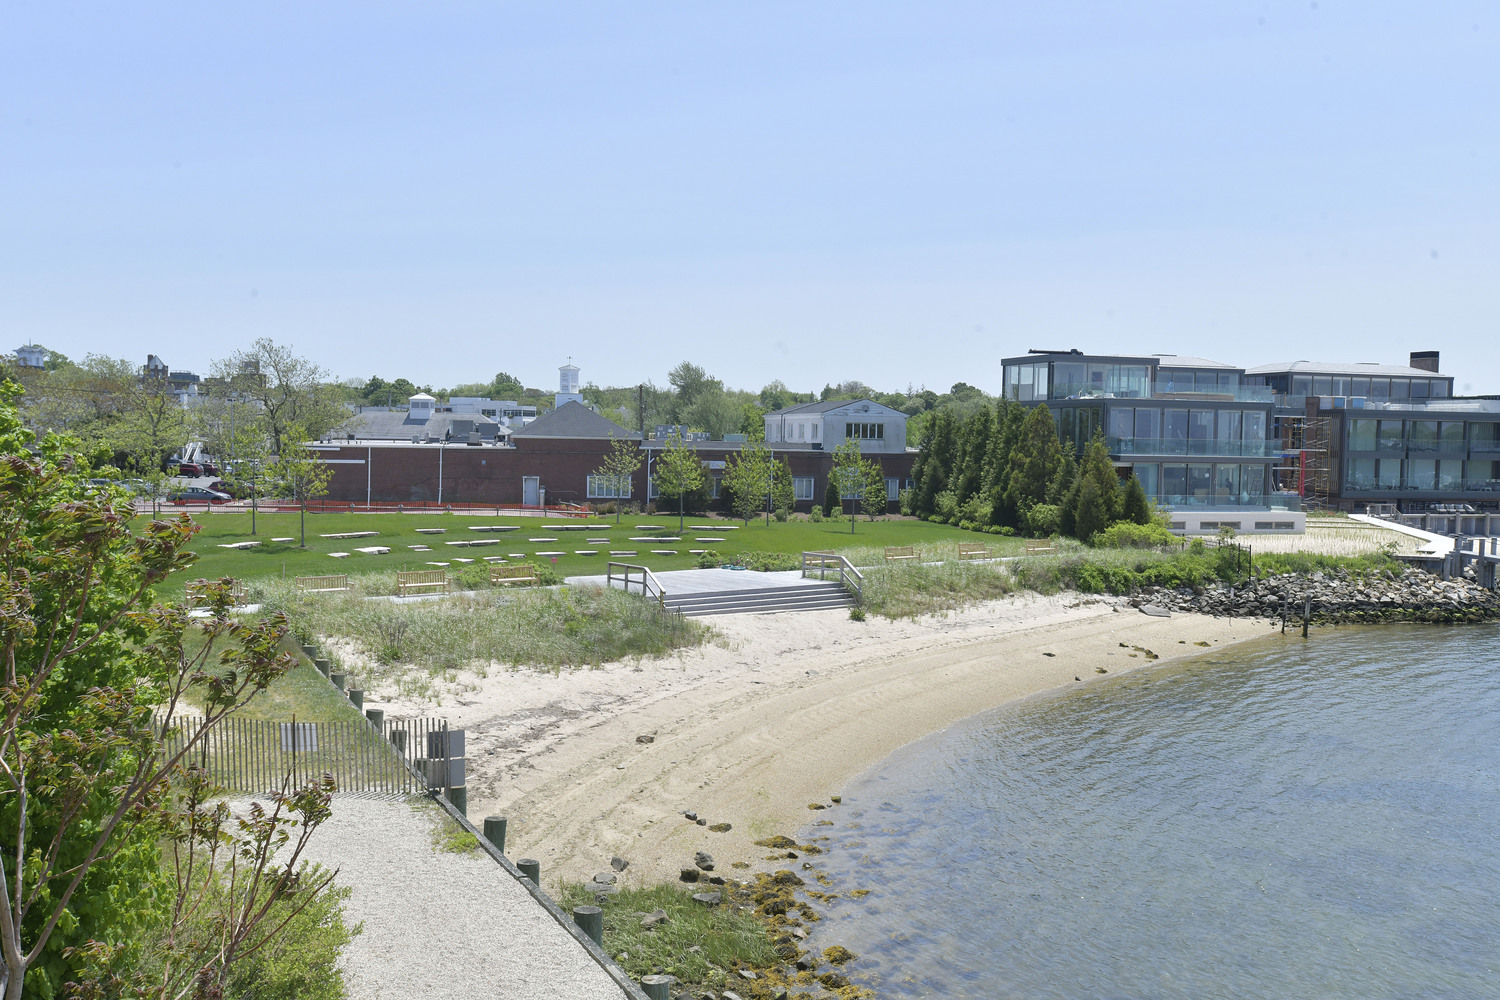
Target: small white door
[{"x": 530, "y": 491}]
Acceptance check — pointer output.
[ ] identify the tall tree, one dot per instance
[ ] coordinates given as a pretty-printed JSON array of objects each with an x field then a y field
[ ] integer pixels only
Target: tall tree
[
  {"x": 619, "y": 468},
  {"x": 1095, "y": 499},
  {"x": 748, "y": 476},
  {"x": 1033, "y": 463},
  {"x": 302, "y": 472},
  {"x": 690, "y": 381},
  {"x": 849, "y": 472},
  {"x": 679, "y": 471},
  {"x": 875, "y": 496},
  {"x": 291, "y": 390},
  {"x": 713, "y": 410}
]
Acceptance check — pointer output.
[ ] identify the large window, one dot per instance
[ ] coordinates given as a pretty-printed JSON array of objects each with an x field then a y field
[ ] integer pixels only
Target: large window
[
  {"x": 1148, "y": 425},
  {"x": 608, "y": 488},
  {"x": 1200, "y": 482},
  {"x": 1255, "y": 428},
  {"x": 802, "y": 487},
  {"x": 1174, "y": 483},
  {"x": 1422, "y": 435},
  {"x": 1362, "y": 474},
  {"x": 1226, "y": 484},
  {"x": 1362, "y": 436},
  {"x": 1390, "y": 436},
  {"x": 1253, "y": 483},
  {"x": 1388, "y": 473},
  {"x": 1450, "y": 474},
  {"x": 892, "y": 489},
  {"x": 1451, "y": 437},
  {"x": 1421, "y": 474},
  {"x": 1484, "y": 437},
  {"x": 865, "y": 432},
  {"x": 1175, "y": 425}
]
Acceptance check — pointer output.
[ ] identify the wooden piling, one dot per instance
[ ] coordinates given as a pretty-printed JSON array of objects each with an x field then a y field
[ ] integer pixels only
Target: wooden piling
[
  {"x": 322, "y": 664},
  {"x": 532, "y": 869},
  {"x": 591, "y": 920},
  {"x": 657, "y": 987},
  {"x": 357, "y": 698},
  {"x": 1306, "y": 612},
  {"x": 494, "y": 831},
  {"x": 338, "y": 679}
]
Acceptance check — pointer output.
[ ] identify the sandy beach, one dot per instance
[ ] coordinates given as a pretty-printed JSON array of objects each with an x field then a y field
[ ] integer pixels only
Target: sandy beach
[{"x": 778, "y": 713}]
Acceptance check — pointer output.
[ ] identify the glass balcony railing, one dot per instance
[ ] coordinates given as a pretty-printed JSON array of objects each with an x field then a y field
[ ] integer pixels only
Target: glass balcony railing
[
  {"x": 1447, "y": 486},
  {"x": 1205, "y": 447},
  {"x": 1258, "y": 500},
  {"x": 1161, "y": 390}
]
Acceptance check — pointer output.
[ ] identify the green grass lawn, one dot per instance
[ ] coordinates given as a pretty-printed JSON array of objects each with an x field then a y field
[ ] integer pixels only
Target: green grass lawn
[{"x": 398, "y": 531}]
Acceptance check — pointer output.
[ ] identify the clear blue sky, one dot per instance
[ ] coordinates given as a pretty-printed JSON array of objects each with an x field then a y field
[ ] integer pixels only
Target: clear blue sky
[{"x": 900, "y": 193}]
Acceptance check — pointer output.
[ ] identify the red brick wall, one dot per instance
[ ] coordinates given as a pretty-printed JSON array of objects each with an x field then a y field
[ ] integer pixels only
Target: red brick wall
[{"x": 487, "y": 474}]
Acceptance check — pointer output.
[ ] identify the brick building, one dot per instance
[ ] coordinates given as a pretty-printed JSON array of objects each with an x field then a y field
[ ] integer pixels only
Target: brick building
[{"x": 552, "y": 460}]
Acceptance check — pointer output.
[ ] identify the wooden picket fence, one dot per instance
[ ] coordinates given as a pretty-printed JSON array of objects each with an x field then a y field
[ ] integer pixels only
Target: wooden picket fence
[{"x": 254, "y": 756}]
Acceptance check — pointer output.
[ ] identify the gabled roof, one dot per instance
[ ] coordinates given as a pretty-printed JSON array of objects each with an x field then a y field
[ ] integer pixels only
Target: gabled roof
[
  {"x": 830, "y": 404},
  {"x": 573, "y": 420},
  {"x": 398, "y": 425},
  {"x": 1341, "y": 368}
]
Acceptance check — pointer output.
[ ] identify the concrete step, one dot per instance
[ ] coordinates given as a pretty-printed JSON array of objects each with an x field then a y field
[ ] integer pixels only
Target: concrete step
[{"x": 761, "y": 601}]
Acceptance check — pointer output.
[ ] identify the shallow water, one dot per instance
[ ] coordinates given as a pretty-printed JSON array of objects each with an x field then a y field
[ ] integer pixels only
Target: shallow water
[{"x": 1286, "y": 818}]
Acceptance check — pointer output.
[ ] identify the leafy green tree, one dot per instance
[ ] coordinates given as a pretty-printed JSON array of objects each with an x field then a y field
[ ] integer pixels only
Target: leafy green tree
[
  {"x": 301, "y": 473},
  {"x": 619, "y": 468},
  {"x": 690, "y": 381},
  {"x": 934, "y": 464},
  {"x": 679, "y": 471},
  {"x": 85, "y": 770},
  {"x": 292, "y": 391},
  {"x": 874, "y": 498},
  {"x": 506, "y": 386},
  {"x": 749, "y": 476},
  {"x": 849, "y": 472},
  {"x": 783, "y": 490},
  {"x": 712, "y": 410}
]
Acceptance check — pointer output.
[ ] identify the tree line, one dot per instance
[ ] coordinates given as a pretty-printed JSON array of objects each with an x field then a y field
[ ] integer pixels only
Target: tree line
[{"x": 1004, "y": 468}]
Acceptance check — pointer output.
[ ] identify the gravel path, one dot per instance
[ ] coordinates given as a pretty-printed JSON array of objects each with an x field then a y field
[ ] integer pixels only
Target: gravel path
[{"x": 440, "y": 925}]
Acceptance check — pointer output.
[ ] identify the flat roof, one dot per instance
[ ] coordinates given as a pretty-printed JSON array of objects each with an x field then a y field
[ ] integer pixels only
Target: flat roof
[
  {"x": 1192, "y": 361},
  {"x": 1342, "y": 368}
]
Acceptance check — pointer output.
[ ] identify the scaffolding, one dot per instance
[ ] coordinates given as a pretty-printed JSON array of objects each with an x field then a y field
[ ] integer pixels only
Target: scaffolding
[{"x": 1316, "y": 472}]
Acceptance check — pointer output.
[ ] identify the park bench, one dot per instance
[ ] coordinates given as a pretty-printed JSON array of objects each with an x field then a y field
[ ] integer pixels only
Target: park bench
[
  {"x": 322, "y": 584},
  {"x": 421, "y": 579},
  {"x": 1040, "y": 547},
  {"x": 506, "y": 575},
  {"x": 896, "y": 552},
  {"x": 197, "y": 592},
  {"x": 973, "y": 550}
]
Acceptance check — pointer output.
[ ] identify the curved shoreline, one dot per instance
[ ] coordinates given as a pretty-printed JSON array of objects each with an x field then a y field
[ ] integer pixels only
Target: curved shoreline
[{"x": 782, "y": 712}]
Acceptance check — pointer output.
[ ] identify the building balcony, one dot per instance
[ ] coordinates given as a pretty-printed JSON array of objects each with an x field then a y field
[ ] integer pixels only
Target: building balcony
[
  {"x": 1161, "y": 390},
  {"x": 1130, "y": 447}
]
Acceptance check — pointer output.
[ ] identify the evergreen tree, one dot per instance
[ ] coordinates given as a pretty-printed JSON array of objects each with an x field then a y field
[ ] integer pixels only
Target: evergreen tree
[
  {"x": 1033, "y": 464},
  {"x": 831, "y": 498},
  {"x": 978, "y": 433},
  {"x": 1135, "y": 507},
  {"x": 935, "y": 471},
  {"x": 1095, "y": 499}
]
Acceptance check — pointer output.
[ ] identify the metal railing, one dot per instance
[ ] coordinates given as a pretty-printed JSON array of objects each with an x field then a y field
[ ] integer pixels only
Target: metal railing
[
  {"x": 638, "y": 575},
  {"x": 1208, "y": 447},
  {"x": 851, "y": 578},
  {"x": 253, "y": 756}
]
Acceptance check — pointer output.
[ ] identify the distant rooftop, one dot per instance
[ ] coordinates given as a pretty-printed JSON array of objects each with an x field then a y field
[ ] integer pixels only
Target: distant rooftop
[
  {"x": 1341, "y": 368},
  {"x": 1190, "y": 361}
]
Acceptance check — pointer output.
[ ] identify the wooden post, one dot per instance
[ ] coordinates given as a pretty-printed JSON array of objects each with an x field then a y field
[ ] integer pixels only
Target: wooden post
[
  {"x": 591, "y": 920},
  {"x": 398, "y": 740},
  {"x": 338, "y": 679},
  {"x": 657, "y": 987},
  {"x": 532, "y": 869},
  {"x": 1306, "y": 612},
  {"x": 357, "y": 698},
  {"x": 494, "y": 831},
  {"x": 309, "y": 650},
  {"x": 376, "y": 717},
  {"x": 459, "y": 796},
  {"x": 322, "y": 664}
]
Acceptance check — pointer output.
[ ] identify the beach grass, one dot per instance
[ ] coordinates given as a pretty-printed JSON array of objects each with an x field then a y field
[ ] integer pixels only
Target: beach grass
[{"x": 412, "y": 642}]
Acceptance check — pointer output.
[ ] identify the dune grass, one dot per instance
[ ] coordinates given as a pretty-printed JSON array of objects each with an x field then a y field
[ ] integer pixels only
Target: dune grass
[{"x": 550, "y": 629}]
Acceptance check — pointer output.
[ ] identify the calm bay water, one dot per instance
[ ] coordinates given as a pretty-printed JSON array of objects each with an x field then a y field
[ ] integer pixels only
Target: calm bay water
[{"x": 1286, "y": 818}]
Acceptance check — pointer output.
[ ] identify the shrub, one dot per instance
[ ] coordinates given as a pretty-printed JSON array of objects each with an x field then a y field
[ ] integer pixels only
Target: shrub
[
  {"x": 906, "y": 502},
  {"x": 1127, "y": 535},
  {"x": 945, "y": 504},
  {"x": 707, "y": 560},
  {"x": 816, "y": 514},
  {"x": 768, "y": 562},
  {"x": 782, "y": 513},
  {"x": 1044, "y": 520},
  {"x": 831, "y": 503}
]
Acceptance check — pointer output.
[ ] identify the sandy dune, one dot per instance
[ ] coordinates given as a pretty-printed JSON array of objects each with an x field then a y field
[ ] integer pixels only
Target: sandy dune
[{"x": 781, "y": 712}]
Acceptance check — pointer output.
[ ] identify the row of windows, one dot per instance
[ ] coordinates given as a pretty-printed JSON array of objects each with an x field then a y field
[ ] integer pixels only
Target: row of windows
[
  {"x": 1147, "y": 430},
  {"x": 1423, "y": 474},
  {"x": 1348, "y": 385},
  {"x": 803, "y": 488},
  {"x": 1203, "y": 482},
  {"x": 865, "y": 432},
  {"x": 1423, "y": 435}
]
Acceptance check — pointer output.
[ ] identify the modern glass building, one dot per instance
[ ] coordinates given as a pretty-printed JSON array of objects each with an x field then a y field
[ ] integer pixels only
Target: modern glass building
[
  {"x": 1194, "y": 433},
  {"x": 1355, "y": 434}
]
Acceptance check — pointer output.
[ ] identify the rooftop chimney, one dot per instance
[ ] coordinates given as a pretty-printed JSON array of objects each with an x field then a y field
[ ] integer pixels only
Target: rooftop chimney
[{"x": 1425, "y": 360}]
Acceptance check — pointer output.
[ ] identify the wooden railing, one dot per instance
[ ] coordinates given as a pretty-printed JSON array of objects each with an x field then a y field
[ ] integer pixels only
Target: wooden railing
[
  {"x": 630, "y": 574},
  {"x": 852, "y": 579}
]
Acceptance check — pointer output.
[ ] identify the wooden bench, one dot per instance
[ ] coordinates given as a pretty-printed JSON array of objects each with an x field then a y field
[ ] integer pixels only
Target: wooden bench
[
  {"x": 322, "y": 584},
  {"x": 973, "y": 550},
  {"x": 895, "y": 552},
  {"x": 421, "y": 579},
  {"x": 197, "y": 592},
  {"x": 1040, "y": 547},
  {"x": 506, "y": 575}
]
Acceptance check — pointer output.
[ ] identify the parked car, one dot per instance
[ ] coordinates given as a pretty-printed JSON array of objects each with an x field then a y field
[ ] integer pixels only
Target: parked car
[
  {"x": 192, "y": 469},
  {"x": 209, "y": 468},
  {"x": 197, "y": 494},
  {"x": 235, "y": 488}
]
